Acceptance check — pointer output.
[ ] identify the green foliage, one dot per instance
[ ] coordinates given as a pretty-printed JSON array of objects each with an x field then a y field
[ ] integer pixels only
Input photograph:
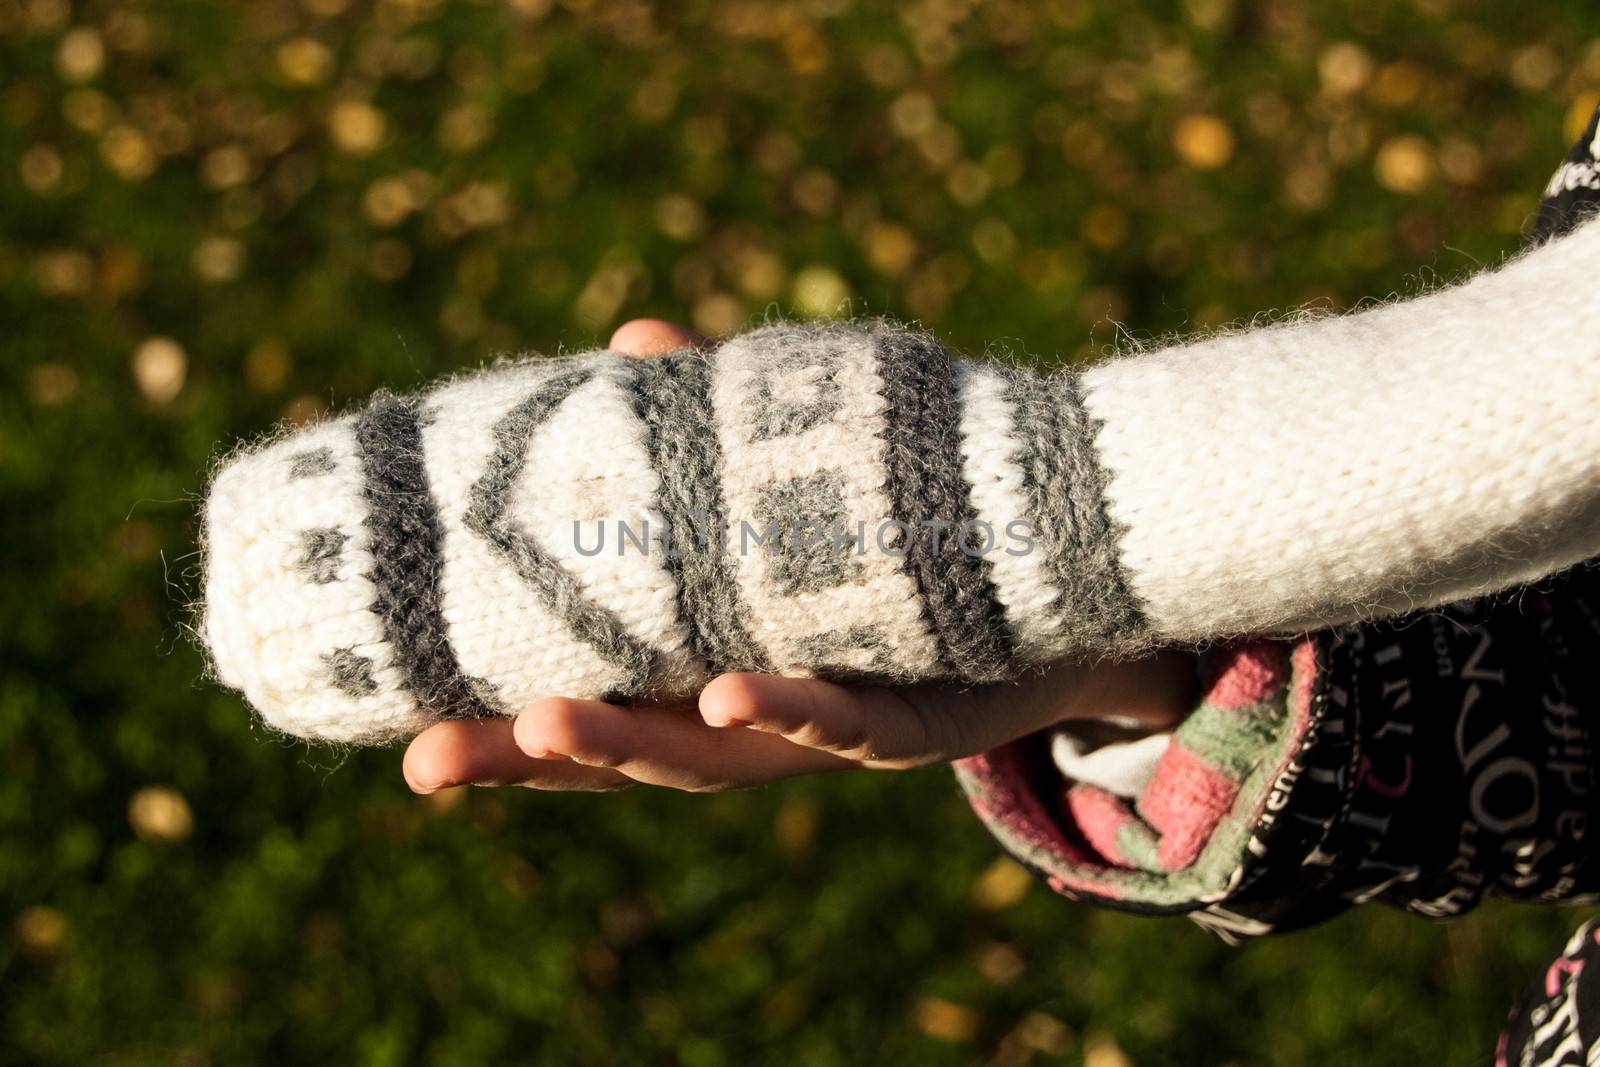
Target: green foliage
[{"x": 213, "y": 216}]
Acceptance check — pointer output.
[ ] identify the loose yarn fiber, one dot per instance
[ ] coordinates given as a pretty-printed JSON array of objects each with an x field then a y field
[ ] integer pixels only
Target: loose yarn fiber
[{"x": 849, "y": 500}]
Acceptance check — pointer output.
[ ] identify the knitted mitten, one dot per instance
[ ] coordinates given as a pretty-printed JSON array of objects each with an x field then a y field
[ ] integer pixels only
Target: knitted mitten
[{"x": 848, "y": 500}]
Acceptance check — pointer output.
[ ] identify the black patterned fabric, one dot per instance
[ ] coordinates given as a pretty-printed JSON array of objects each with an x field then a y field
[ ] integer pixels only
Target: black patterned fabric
[
  {"x": 1573, "y": 193},
  {"x": 1455, "y": 757},
  {"x": 1452, "y": 757},
  {"x": 1557, "y": 1021}
]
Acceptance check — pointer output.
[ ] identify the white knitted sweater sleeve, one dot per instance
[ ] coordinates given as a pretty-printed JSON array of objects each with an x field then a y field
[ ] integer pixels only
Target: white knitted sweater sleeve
[
  {"x": 1310, "y": 473},
  {"x": 849, "y": 500}
]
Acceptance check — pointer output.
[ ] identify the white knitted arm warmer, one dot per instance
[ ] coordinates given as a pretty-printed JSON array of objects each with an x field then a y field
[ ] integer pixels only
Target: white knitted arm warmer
[{"x": 848, "y": 500}]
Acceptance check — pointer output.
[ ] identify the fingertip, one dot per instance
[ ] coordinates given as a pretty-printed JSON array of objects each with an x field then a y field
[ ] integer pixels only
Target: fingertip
[
  {"x": 419, "y": 778},
  {"x": 732, "y": 700},
  {"x": 433, "y": 759},
  {"x": 543, "y": 731},
  {"x": 806, "y": 711},
  {"x": 653, "y": 337}
]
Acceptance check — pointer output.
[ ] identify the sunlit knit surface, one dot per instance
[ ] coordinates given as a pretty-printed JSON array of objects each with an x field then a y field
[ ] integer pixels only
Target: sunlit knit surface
[{"x": 848, "y": 500}]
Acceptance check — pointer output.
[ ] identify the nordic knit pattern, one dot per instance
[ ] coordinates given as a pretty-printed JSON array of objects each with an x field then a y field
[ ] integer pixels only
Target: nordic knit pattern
[{"x": 849, "y": 500}]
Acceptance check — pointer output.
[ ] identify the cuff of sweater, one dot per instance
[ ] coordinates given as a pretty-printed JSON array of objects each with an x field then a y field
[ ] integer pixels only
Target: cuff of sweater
[{"x": 1198, "y": 830}]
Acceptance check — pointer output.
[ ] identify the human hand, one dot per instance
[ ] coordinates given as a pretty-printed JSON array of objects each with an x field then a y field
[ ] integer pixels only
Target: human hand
[{"x": 750, "y": 729}]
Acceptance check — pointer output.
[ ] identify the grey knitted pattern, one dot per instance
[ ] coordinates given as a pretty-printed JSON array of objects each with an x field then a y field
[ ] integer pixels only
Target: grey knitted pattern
[
  {"x": 854, "y": 654},
  {"x": 932, "y": 498},
  {"x": 1067, "y": 508},
  {"x": 351, "y": 672},
  {"x": 322, "y": 553},
  {"x": 671, "y": 397},
  {"x": 407, "y": 561},
  {"x": 853, "y": 556},
  {"x": 488, "y": 515},
  {"x": 809, "y": 542}
]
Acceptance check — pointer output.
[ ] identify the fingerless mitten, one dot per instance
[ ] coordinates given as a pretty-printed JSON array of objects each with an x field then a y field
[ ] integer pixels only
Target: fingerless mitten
[{"x": 849, "y": 500}]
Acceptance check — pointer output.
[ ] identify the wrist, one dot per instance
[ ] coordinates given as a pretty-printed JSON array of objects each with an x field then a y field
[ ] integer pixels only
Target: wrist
[{"x": 1156, "y": 691}]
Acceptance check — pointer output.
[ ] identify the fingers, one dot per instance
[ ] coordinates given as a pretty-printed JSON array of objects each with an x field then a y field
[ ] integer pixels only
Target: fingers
[
  {"x": 753, "y": 729},
  {"x": 662, "y": 746},
  {"x": 484, "y": 752},
  {"x": 869, "y": 724},
  {"x": 654, "y": 337},
  {"x": 933, "y": 722}
]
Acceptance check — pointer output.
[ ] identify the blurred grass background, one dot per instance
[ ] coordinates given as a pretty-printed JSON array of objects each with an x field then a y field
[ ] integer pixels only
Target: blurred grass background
[{"x": 214, "y": 216}]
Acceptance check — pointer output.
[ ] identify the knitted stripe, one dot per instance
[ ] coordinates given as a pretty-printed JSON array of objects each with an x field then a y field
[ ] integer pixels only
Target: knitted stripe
[
  {"x": 1000, "y": 786},
  {"x": 932, "y": 498},
  {"x": 1254, "y": 673},
  {"x": 487, "y": 516},
  {"x": 1067, "y": 507},
  {"x": 1141, "y": 847},
  {"x": 1184, "y": 802},
  {"x": 1101, "y": 817},
  {"x": 1024, "y": 579},
  {"x": 671, "y": 396},
  {"x": 1232, "y": 738},
  {"x": 406, "y": 539}
]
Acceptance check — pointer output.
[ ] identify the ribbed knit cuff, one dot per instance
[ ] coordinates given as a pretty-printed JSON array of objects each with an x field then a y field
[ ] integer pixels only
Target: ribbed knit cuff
[
  {"x": 1425, "y": 763},
  {"x": 1190, "y": 839}
]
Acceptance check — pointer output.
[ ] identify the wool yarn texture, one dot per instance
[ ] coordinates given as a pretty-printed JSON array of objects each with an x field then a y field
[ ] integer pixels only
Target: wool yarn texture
[{"x": 849, "y": 500}]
